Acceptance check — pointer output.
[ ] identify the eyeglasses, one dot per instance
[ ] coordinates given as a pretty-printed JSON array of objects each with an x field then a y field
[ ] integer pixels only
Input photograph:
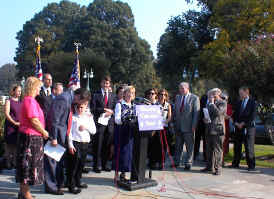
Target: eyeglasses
[
  {"x": 162, "y": 94},
  {"x": 152, "y": 93}
]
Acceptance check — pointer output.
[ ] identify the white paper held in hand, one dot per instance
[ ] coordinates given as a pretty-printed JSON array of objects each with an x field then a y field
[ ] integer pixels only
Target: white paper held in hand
[
  {"x": 103, "y": 120},
  {"x": 206, "y": 114},
  {"x": 55, "y": 153}
]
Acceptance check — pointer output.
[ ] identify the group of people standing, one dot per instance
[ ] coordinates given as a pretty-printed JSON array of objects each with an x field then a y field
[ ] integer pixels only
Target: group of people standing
[{"x": 73, "y": 117}]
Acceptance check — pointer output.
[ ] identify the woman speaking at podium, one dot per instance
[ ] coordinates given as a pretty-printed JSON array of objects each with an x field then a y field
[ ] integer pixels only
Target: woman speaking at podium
[{"x": 125, "y": 119}]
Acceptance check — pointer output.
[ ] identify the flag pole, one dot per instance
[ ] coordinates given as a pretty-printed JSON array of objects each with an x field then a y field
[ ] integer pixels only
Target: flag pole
[
  {"x": 77, "y": 44},
  {"x": 38, "y": 69}
]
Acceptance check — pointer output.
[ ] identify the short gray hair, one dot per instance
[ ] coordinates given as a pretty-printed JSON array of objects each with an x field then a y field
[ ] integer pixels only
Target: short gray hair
[
  {"x": 184, "y": 84},
  {"x": 214, "y": 90}
]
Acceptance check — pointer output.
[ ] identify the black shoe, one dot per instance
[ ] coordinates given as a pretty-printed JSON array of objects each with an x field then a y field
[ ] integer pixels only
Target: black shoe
[
  {"x": 216, "y": 173},
  {"x": 187, "y": 168},
  {"x": 82, "y": 185},
  {"x": 85, "y": 170},
  {"x": 251, "y": 169},
  {"x": 106, "y": 169},
  {"x": 57, "y": 192},
  {"x": 96, "y": 170},
  {"x": 206, "y": 170},
  {"x": 75, "y": 190}
]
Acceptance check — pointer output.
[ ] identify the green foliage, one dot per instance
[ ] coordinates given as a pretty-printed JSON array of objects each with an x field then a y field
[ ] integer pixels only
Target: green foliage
[
  {"x": 180, "y": 46},
  {"x": 110, "y": 43}
]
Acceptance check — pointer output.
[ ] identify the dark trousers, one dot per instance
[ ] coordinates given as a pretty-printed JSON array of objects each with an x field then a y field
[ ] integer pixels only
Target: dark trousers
[
  {"x": 199, "y": 135},
  {"x": 102, "y": 145},
  {"x": 249, "y": 140},
  {"x": 155, "y": 149},
  {"x": 76, "y": 163},
  {"x": 54, "y": 173}
]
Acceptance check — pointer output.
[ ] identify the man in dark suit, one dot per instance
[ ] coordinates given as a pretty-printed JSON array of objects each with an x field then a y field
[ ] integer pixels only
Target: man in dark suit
[
  {"x": 201, "y": 128},
  {"x": 244, "y": 120},
  {"x": 58, "y": 117},
  {"x": 44, "y": 99},
  {"x": 103, "y": 102}
]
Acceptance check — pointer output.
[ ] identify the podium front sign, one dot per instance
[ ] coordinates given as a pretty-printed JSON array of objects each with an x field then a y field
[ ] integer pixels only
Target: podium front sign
[{"x": 149, "y": 117}]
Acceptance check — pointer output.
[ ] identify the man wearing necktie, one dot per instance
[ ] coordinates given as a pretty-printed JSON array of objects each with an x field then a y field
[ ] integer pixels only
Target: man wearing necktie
[
  {"x": 103, "y": 102},
  {"x": 44, "y": 98},
  {"x": 187, "y": 107},
  {"x": 244, "y": 120}
]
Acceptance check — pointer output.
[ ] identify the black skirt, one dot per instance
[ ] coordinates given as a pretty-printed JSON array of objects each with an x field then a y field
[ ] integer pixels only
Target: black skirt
[{"x": 30, "y": 159}]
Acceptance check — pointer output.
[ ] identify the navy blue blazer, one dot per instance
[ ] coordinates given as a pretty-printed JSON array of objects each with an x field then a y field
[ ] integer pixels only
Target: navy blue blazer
[
  {"x": 247, "y": 116},
  {"x": 58, "y": 116}
]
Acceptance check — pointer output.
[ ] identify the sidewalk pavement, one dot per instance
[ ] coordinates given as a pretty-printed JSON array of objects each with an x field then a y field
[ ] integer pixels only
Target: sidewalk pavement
[{"x": 172, "y": 184}]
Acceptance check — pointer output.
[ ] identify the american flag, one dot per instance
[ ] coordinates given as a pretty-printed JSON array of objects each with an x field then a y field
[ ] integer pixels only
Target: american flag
[
  {"x": 38, "y": 67},
  {"x": 74, "y": 81}
]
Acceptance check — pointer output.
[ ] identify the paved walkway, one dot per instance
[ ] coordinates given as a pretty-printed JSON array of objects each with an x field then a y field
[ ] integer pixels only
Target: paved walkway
[{"x": 173, "y": 184}]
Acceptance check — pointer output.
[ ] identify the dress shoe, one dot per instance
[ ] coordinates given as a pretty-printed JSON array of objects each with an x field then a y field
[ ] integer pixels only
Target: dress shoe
[
  {"x": 57, "y": 192},
  {"x": 234, "y": 166},
  {"x": 75, "y": 190},
  {"x": 206, "y": 170},
  {"x": 82, "y": 185},
  {"x": 107, "y": 169},
  {"x": 251, "y": 169},
  {"x": 96, "y": 170},
  {"x": 187, "y": 168},
  {"x": 216, "y": 173},
  {"x": 85, "y": 170}
]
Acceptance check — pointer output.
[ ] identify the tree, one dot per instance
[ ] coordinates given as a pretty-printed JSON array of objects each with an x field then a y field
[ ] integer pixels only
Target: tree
[
  {"x": 7, "y": 77},
  {"x": 181, "y": 44},
  {"x": 252, "y": 63},
  {"x": 110, "y": 43}
]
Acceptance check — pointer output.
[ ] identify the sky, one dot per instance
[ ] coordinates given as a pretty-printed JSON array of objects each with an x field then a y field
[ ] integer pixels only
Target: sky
[{"x": 151, "y": 17}]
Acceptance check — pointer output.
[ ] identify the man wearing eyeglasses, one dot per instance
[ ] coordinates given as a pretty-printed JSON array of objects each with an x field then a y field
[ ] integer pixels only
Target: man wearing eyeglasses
[{"x": 187, "y": 107}]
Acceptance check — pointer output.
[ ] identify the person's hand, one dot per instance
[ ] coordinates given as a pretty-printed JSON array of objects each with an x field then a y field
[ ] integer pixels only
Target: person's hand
[
  {"x": 193, "y": 130},
  {"x": 72, "y": 150},
  {"x": 107, "y": 110},
  {"x": 54, "y": 143},
  {"x": 46, "y": 135},
  {"x": 17, "y": 123},
  {"x": 206, "y": 121},
  {"x": 82, "y": 128}
]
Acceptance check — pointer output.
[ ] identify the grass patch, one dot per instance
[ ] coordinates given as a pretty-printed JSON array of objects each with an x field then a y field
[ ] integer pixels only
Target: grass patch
[{"x": 264, "y": 156}]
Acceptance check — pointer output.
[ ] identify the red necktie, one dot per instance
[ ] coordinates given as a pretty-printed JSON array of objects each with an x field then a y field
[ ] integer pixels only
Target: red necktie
[
  {"x": 69, "y": 122},
  {"x": 183, "y": 104},
  {"x": 106, "y": 99}
]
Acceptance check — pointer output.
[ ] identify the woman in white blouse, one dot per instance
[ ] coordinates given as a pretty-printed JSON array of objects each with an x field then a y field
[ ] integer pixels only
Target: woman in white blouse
[
  {"x": 123, "y": 137},
  {"x": 81, "y": 127}
]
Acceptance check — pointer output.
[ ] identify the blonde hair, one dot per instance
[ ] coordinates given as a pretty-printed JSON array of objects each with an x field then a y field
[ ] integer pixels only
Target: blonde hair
[
  {"x": 13, "y": 89},
  {"x": 129, "y": 89},
  {"x": 31, "y": 85}
]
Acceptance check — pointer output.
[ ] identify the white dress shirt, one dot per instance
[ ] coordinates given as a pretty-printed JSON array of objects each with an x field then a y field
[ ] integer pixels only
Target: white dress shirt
[
  {"x": 186, "y": 96},
  {"x": 47, "y": 91},
  {"x": 75, "y": 134}
]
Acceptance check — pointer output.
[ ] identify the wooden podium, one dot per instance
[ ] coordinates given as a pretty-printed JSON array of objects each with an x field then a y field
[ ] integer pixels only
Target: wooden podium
[{"x": 138, "y": 179}]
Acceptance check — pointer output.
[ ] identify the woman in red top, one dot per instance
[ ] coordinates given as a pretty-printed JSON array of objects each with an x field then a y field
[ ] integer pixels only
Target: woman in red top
[
  {"x": 30, "y": 151},
  {"x": 229, "y": 113}
]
